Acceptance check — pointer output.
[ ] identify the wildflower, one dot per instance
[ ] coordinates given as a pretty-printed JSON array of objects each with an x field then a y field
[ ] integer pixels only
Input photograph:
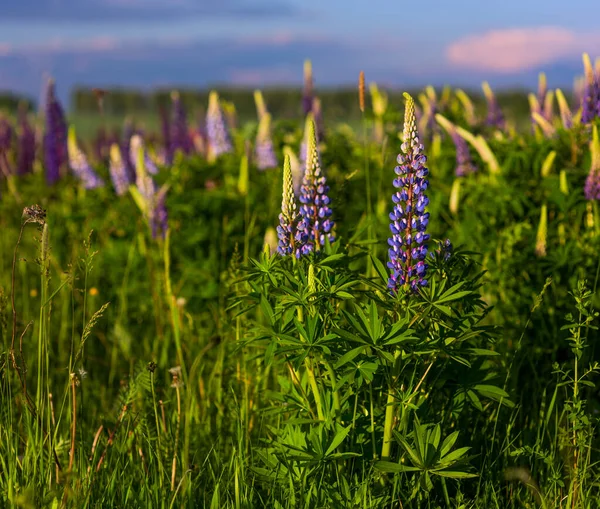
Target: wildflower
[
  {"x": 409, "y": 220},
  {"x": 165, "y": 127},
  {"x": 218, "y": 136},
  {"x": 542, "y": 233},
  {"x": 154, "y": 199},
  {"x": 464, "y": 162},
  {"x": 137, "y": 143},
  {"x": 55, "y": 136},
  {"x": 591, "y": 92},
  {"x": 315, "y": 225},
  {"x": 592, "y": 182},
  {"x": 128, "y": 132},
  {"x": 6, "y": 138},
  {"x": 494, "y": 118},
  {"x": 179, "y": 136},
  {"x": 265, "y": 152},
  {"x": 270, "y": 240},
  {"x": 288, "y": 218},
  {"x": 307, "y": 91},
  {"x": 177, "y": 380},
  {"x": 118, "y": 171},
  {"x": 80, "y": 165},
  {"x": 296, "y": 169}
]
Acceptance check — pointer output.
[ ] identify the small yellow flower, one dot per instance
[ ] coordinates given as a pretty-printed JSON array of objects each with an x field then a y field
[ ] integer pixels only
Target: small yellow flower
[
  {"x": 33, "y": 292},
  {"x": 93, "y": 291}
]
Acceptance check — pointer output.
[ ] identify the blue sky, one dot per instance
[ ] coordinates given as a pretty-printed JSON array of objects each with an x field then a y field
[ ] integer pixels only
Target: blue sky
[{"x": 260, "y": 42}]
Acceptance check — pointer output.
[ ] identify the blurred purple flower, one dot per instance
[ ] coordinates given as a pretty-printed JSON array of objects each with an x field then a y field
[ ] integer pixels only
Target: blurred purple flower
[{"x": 55, "y": 136}]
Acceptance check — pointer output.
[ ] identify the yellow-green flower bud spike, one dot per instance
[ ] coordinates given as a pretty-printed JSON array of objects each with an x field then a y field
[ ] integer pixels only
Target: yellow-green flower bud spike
[
  {"x": 549, "y": 104},
  {"x": 548, "y": 129},
  {"x": 288, "y": 202},
  {"x": 467, "y": 104},
  {"x": 115, "y": 154},
  {"x": 595, "y": 150},
  {"x": 548, "y": 164},
  {"x": 534, "y": 104},
  {"x": 270, "y": 242},
  {"x": 455, "y": 196},
  {"x": 588, "y": 68},
  {"x": 308, "y": 70},
  {"x": 563, "y": 107},
  {"x": 542, "y": 233},
  {"x": 259, "y": 100},
  {"x": 244, "y": 178},
  {"x": 409, "y": 135},
  {"x": 487, "y": 91},
  {"x": 564, "y": 185},
  {"x": 264, "y": 127}
]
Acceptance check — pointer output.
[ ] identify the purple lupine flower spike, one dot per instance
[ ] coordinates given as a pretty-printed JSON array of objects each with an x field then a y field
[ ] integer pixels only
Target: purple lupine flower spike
[
  {"x": 494, "y": 118},
  {"x": 315, "y": 226},
  {"x": 155, "y": 204},
  {"x": 180, "y": 138},
  {"x": 408, "y": 248},
  {"x": 55, "y": 137},
  {"x": 216, "y": 128},
  {"x": 118, "y": 171},
  {"x": 126, "y": 135},
  {"x": 288, "y": 219},
  {"x": 592, "y": 182},
  {"x": 307, "y": 91},
  {"x": 165, "y": 127},
  {"x": 6, "y": 138},
  {"x": 591, "y": 92},
  {"x": 265, "y": 151},
  {"x": 80, "y": 166},
  {"x": 464, "y": 162},
  {"x": 26, "y": 145}
]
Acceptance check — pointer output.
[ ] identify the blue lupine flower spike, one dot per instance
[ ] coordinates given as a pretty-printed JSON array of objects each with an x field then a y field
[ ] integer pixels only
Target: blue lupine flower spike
[
  {"x": 408, "y": 248},
  {"x": 315, "y": 226}
]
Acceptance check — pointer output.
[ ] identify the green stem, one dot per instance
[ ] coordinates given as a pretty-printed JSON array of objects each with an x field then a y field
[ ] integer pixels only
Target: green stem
[{"x": 389, "y": 411}]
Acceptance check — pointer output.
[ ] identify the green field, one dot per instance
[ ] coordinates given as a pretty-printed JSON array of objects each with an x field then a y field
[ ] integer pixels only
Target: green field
[{"x": 203, "y": 369}]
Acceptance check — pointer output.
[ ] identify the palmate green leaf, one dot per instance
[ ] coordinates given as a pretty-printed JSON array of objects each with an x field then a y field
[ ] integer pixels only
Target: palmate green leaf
[
  {"x": 338, "y": 439},
  {"x": 495, "y": 393},
  {"x": 350, "y": 356},
  {"x": 267, "y": 310},
  {"x": 448, "y": 443},
  {"x": 414, "y": 455},
  {"x": 452, "y": 457}
]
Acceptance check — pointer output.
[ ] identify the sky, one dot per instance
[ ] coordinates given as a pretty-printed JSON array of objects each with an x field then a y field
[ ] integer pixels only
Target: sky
[{"x": 257, "y": 43}]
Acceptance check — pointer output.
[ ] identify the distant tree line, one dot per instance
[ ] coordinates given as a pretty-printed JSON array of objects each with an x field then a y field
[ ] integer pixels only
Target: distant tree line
[
  {"x": 10, "y": 102},
  {"x": 338, "y": 104}
]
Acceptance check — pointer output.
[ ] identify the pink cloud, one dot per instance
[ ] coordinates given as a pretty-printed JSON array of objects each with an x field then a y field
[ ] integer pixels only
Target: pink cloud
[{"x": 517, "y": 49}]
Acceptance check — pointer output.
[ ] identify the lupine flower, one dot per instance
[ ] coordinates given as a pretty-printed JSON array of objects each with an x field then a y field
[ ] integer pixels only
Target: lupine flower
[
  {"x": 305, "y": 140},
  {"x": 118, "y": 171},
  {"x": 265, "y": 152},
  {"x": 26, "y": 145},
  {"x": 180, "y": 139},
  {"x": 55, "y": 136},
  {"x": 128, "y": 132},
  {"x": 315, "y": 225},
  {"x": 591, "y": 92},
  {"x": 79, "y": 164},
  {"x": 467, "y": 104},
  {"x": 288, "y": 219},
  {"x": 165, "y": 127},
  {"x": 444, "y": 249},
  {"x": 6, "y": 137},
  {"x": 542, "y": 233},
  {"x": 592, "y": 182},
  {"x": 494, "y": 118},
  {"x": 261, "y": 107},
  {"x": 297, "y": 173},
  {"x": 135, "y": 144},
  {"x": 464, "y": 162},
  {"x": 317, "y": 111},
  {"x": 218, "y": 136},
  {"x": 154, "y": 205},
  {"x": 307, "y": 91},
  {"x": 408, "y": 248},
  {"x": 565, "y": 112}
]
